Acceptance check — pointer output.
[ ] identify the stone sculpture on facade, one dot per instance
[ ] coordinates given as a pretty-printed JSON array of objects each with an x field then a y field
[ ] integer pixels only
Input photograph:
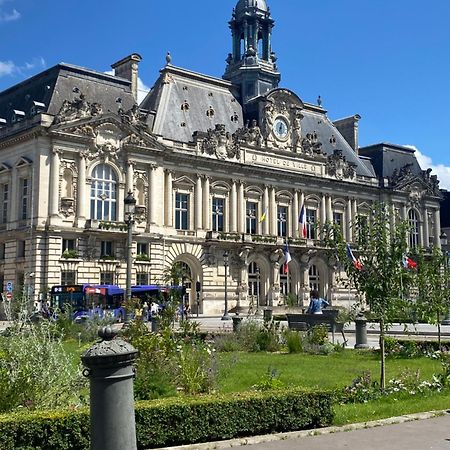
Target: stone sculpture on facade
[
  {"x": 78, "y": 108},
  {"x": 337, "y": 166},
  {"x": 220, "y": 143}
]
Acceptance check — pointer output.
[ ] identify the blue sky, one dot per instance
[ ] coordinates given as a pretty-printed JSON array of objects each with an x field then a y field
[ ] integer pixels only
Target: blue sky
[{"x": 387, "y": 60}]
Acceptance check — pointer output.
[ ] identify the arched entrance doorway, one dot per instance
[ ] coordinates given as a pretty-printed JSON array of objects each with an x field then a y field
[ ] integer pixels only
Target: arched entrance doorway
[
  {"x": 254, "y": 286},
  {"x": 314, "y": 279}
]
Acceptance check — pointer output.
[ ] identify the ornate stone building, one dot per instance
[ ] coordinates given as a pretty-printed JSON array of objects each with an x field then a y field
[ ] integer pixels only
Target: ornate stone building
[{"x": 216, "y": 165}]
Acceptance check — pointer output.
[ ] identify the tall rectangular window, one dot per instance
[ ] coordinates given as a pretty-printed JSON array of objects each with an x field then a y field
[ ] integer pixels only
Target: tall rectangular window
[
  {"x": 282, "y": 215},
  {"x": 217, "y": 213},
  {"x": 68, "y": 277},
  {"x": 338, "y": 219},
  {"x": 251, "y": 218},
  {"x": 24, "y": 198},
  {"x": 181, "y": 211},
  {"x": 4, "y": 207},
  {"x": 106, "y": 249},
  {"x": 2, "y": 250},
  {"x": 311, "y": 219},
  {"x": 21, "y": 249},
  {"x": 142, "y": 248}
]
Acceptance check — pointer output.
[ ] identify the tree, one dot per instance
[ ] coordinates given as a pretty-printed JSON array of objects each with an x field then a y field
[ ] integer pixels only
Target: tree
[
  {"x": 377, "y": 270},
  {"x": 433, "y": 278}
]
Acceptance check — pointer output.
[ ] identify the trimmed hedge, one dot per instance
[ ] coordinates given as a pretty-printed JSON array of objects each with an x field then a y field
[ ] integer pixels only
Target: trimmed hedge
[
  {"x": 176, "y": 421},
  {"x": 413, "y": 347}
]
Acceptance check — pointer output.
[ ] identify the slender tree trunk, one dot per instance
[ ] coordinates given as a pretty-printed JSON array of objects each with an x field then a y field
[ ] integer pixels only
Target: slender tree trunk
[
  {"x": 439, "y": 330},
  {"x": 383, "y": 357}
]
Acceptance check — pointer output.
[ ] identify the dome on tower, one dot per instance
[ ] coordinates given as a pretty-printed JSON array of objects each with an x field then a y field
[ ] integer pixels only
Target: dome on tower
[{"x": 242, "y": 5}]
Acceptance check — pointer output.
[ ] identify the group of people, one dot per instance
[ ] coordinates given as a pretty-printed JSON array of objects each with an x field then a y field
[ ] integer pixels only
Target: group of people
[{"x": 147, "y": 312}]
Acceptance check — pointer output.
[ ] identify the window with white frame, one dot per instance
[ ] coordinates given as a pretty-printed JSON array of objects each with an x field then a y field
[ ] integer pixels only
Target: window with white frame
[
  {"x": 142, "y": 248},
  {"x": 314, "y": 278},
  {"x": 106, "y": 249},
  {"x": 282, "y": 218},
  {"x": 218, "y": 206},
  {"x": 284, "y": 281},
  {"x": 103, "y": 193},
  {"x": 5, "y": 200},
  {"x": 24, "y": 198},
  {"x": 311, "y": 223},
  {"x": 338, "y": 220},
  {"x": 254, "y": 280},
  {"x": 251, "y": 224},
  {"x": 181, "y": 211},
  {"x": 413, "y": 221}
]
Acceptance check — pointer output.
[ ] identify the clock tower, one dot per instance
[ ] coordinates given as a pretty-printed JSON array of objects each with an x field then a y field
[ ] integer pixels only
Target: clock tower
[{"x": 252, "y": 64}]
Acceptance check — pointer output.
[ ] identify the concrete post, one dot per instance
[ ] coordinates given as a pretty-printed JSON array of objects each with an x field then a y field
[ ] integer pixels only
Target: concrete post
[
  {"x": 361, "y": 332},
  {"x": 110, "y": 371}
]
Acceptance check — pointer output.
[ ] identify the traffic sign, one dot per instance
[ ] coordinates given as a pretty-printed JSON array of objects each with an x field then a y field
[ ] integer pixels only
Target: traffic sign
[
  {"x": 9, "y": 286},
  {"x": 9, "y": 296}
]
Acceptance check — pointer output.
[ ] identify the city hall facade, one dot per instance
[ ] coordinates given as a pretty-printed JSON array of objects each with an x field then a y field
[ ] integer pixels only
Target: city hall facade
[{"x": 217, "y": 166}]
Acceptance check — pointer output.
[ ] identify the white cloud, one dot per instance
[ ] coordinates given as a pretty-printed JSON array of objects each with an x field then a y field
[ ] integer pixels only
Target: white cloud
[
  {"x": 9, "y": 16},
  {"x": 442, "y": 171},
  {"x": 7, "y": 68},
  {"x": 11, "y": 68}
]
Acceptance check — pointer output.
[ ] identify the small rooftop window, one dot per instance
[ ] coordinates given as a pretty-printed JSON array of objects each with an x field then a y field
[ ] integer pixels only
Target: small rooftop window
[
  {"x": 17, "y": 116},
  {"x": 2, "y": 122},
  {"x": 37, "y": 108}
]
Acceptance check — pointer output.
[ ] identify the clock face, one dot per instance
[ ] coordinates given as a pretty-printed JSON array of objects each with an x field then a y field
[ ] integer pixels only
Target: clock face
[{"x": 280, "y": 128}]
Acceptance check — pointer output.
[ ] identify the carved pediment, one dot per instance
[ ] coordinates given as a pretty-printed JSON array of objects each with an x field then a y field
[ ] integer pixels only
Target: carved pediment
[
  {"x": 337, "y": 166},
  {"x": 78, "y": 108},
  {"x": 417, "y": 185}
]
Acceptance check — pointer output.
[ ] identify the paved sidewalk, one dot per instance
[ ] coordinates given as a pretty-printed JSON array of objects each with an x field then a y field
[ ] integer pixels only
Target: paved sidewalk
[{"x": 413, "y": 432}]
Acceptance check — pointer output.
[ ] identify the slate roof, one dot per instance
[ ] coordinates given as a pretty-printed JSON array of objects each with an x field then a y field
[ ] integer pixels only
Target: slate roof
[
  {"x": 386, "y": 158},
  {"x": 177, "y": 87},
  {"x": 57, "y": 84},
  {"x": 445, "y": 210}
]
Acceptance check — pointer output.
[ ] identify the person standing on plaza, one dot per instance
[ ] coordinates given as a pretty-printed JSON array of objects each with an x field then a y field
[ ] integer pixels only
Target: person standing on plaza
[{"x": 316, "y": 304}]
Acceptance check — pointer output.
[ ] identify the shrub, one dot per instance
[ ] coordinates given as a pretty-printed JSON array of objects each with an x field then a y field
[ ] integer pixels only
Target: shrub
[
  {"x": 36, "y": 372},
  {"x": 177, "y": 421},
  {"x": 257, "y": 336},
  {"x": 317, "y": 335},
  {"x": 269, "y": 381},
  {"x": 293, "y": 340},
  {"x": 227, "y": 343}
]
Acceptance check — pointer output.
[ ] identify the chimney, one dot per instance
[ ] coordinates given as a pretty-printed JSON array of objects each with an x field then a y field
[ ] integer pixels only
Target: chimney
[
  {"x": 128, "y": 68},
  {"x": 348, "y": 127}
]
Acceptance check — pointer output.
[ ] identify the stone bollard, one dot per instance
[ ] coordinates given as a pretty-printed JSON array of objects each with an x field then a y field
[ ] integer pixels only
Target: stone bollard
[
  {"x": 110, "y": 371},
  {"x": 267, "y": 314},
  {"x": 361, "y": 332},
  {"x": 236, "y": 322}
]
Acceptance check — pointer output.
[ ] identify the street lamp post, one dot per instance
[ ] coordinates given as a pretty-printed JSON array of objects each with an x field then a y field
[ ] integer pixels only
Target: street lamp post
[
  {"x": 444, "y": 241},
  {"x": 225, "y": 263},
  {"x": 130, "y": 204}
]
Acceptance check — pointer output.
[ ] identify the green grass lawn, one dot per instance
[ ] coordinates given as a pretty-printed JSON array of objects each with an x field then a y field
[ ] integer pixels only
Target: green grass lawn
[{"x": 242, "y": 370}]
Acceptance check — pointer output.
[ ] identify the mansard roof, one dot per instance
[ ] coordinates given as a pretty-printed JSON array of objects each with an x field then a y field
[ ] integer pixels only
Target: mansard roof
[
  {"x": 185, "y": 102},
  {"x": 388, "y": 159},
  {"x": 50, "y": 88}
]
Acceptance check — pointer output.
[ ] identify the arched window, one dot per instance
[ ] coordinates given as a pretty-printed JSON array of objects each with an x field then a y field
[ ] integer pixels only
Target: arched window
[
  {"x": 103, "y": 193},
  {"x": 254, "y": 287},
  {"x": 314, "y": 278},
  {"x": 413, "y": 238}
]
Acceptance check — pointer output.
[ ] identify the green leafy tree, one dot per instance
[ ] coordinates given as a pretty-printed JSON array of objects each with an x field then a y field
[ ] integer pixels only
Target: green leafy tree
[
  {"x": 433, "y": 279},
  {"x": 377, "y": 272}
]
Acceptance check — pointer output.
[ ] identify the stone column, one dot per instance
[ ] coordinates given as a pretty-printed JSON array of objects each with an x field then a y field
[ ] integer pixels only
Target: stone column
[
  {"x": 241, "y": 208},
  {"x": 233, "y": 213},
  {"x": 329, "y": 209},
  {"x": 349, "y": 221},
  {"x": 295, "y": 213},
  {"x": 355, "y": 209},
  {"x": 206, "y": 204},
  {"x": 153, "y": 201},
  {"x": 323, "y": 211},
  {"x": 437, "y": 228},
  {"x": 129, "y": 182},
  {"x": 82, "y": 197},
  {"x": 54, "y": 183},
  {"x": 198, "y": 219},
  {"x": 266, "y": 224},
  {"x": 426, "y": 230},
  {"x": 272, "y": 212},
  {"x": 169, "y": 198}
]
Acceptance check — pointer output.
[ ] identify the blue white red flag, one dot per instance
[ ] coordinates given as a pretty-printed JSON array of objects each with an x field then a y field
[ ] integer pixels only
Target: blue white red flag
[
  {"x": 302, "y": 222},
  {"x": 356, "y": 262},
  {"x": 287, "y": 258},
  {"x": 408, "y": 263}
]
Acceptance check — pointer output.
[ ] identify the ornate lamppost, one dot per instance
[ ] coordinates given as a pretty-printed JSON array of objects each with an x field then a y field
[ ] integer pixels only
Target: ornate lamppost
[
  {"x": 225, "y": 263},
  {"x": 130, "y": 204},
  {"x": 444, "y": 241}
]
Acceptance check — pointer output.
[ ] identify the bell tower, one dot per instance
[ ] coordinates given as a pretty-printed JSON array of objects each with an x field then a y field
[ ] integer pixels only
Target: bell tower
[{"x": 252, "y": 63}]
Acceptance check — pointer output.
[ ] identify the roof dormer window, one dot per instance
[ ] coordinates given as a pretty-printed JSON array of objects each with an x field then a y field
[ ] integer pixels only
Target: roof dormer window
[
  {"x": 17, "y": 116},
  {"x": 37, "y": 108}
]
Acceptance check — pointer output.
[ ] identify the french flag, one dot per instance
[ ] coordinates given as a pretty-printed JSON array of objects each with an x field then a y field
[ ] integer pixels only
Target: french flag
[
  {"x": 302, "y": 222},
  {"x": 408, "y": 263},
  {"x": 356, "y": 262},
  {"x": 287, "y": 258}
]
